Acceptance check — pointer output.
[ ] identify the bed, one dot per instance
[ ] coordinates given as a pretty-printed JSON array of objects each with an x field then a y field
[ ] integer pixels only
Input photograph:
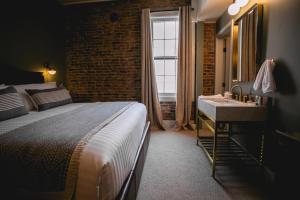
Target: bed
[{"x": 105, "y": 163}]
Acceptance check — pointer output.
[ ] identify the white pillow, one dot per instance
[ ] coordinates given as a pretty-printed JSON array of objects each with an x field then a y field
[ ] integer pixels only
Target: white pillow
[{"x": 28, "y": 102}]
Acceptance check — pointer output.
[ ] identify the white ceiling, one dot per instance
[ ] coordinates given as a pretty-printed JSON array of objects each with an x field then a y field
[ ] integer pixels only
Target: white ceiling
[
  {"x": 71, "y": 2},
  {"x": 209, "y": 10}
]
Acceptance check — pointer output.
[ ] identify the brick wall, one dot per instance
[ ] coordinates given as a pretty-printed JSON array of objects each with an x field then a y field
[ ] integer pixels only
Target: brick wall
[
  {"x": 209, "y": 58},
  {"x": 103, "y": 56},
  {"x": 168, "y": 110}
]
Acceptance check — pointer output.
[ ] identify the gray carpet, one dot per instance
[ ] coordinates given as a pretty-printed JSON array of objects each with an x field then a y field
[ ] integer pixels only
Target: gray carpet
[{"x": 176, "y": 168}]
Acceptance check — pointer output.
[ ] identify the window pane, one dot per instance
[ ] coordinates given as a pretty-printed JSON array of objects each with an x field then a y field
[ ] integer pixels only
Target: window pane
[
  {"x": 160, "y": 83},
  {"x": 176, "y": 47},
  {"x": 158, "y": 30},
  {"x": 170, "y": 49},
  {"x": 165, "y": 46},
  {"x": 158, "y": 48},
  {"x": 170, "y": 86},
  {"x": 170, "y": 67},
  {"x": 170, "y": 30},
  {"x": 176, "y": 65},
  {"x": 177, "y": 29},
  {"x": 159, "y": 67}
]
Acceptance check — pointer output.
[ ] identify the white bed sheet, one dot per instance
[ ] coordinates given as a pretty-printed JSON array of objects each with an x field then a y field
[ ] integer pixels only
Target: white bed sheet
[{"x": 108, "y": 158}]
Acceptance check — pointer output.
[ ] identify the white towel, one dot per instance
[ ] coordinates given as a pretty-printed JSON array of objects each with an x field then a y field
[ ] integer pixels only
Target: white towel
[{"x": 264, "y": 80}]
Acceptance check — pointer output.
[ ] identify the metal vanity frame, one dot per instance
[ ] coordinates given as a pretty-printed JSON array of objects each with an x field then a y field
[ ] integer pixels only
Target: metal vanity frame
[{"x": 221, "y": 148}]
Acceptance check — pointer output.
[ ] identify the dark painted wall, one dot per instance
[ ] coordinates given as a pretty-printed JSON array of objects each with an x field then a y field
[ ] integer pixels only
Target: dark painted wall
[
  {"x": 281, "y": 41},
  {"x": 32, "y": 34}
]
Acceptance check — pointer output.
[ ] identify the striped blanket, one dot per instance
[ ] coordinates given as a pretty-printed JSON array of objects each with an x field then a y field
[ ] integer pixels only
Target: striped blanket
[{"x": 43, "y": 157}]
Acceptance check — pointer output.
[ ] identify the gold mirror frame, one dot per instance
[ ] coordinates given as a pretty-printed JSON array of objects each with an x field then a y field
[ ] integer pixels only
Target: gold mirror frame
[{"x": 255, "y": 47}]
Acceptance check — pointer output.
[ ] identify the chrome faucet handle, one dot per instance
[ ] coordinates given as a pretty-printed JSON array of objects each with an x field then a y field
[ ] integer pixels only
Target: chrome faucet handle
[
  {"x": 237, "y": 97},
  {"x": 240, "y": 97},
  {"x": 240, "y": 93},
  {"x": 245, "y": 98}
]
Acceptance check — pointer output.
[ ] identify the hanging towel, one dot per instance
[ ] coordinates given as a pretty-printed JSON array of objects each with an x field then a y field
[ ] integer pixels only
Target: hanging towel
[{"x": 264, "y": 80}]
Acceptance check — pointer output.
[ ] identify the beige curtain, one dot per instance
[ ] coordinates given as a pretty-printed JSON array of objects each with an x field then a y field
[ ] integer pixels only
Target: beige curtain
[
  {"x": 149, "y": 88},
  {"x": 249, "y": 35},
  {"x": 185, "y": 75}
]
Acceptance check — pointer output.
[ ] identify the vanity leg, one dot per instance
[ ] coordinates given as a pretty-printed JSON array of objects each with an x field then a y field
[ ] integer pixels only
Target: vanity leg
[
  {"x": 262, "y": 146},
  {"x": 215, "y": 150}
]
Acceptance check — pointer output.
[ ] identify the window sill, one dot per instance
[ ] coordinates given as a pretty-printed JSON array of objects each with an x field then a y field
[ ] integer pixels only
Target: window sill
[{"x": 165, "y": 98}]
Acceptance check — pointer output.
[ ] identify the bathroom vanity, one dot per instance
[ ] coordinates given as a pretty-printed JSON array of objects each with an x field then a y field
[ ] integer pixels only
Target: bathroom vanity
[{"x": 219, "y": 115}]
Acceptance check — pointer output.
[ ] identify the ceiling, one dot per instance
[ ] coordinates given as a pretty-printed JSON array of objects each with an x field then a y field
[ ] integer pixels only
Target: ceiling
[
  {"x": 209, "y": 10},
  {"x": 71, "y": 2},
  {"x": 204, "y": 10}
]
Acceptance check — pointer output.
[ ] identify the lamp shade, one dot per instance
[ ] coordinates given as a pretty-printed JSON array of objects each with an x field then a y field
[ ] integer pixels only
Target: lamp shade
[{"x": 51, "y": 71}]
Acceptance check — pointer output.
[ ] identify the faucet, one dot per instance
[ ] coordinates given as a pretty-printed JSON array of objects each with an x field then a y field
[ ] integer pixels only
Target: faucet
[{"x": 241, "y": 91}]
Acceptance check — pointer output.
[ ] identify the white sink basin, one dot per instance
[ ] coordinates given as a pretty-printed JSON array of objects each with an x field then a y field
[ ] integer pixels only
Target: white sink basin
[{"x": 226, "y": 110}]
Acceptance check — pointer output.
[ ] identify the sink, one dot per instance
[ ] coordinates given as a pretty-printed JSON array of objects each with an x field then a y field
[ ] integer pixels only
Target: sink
[
  {"x": 220, "y": 100},
  {"x": 227, "y": 110}
]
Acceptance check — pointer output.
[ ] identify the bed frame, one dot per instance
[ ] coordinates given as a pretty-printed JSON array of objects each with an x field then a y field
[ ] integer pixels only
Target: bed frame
[
  {"x": 131, "y": 186},
  {"x": 13, "y": 76}
]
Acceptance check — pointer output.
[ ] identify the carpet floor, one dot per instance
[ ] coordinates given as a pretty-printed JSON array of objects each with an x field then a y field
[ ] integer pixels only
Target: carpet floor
[{"x": 177, "y": 169}]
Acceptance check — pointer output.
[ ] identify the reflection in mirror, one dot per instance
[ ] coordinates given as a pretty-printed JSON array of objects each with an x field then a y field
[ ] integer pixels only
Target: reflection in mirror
[
  {"x": 246, "y": 45},
  {"x": 234, "y": 75}
]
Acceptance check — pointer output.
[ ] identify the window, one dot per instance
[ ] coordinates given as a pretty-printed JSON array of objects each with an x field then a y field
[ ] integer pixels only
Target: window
[{"x": 165, "y": 50}]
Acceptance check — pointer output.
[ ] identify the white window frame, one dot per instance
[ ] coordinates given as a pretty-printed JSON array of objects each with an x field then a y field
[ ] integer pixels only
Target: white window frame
[{"x": 166, "y": 16}]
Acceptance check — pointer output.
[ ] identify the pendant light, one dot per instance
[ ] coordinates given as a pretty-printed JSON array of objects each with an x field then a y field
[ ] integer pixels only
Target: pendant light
[{"x": 233, "y": 9}]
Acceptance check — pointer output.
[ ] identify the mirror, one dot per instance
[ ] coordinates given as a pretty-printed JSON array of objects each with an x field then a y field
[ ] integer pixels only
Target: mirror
[{"x": 246, "y": 52}]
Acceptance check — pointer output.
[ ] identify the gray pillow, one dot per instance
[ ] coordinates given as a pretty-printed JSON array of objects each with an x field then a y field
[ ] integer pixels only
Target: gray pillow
[
  {"x": 2, "y": 86},
  {"x": 50, "y": 98},
  {"x": 11, "y": 104},
  {"x": 28, "y": 102}
]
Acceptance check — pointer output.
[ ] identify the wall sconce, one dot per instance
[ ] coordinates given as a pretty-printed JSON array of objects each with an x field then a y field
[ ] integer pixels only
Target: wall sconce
[
  {"x": 49, "y": 69},
  {"x": 235, "y": 7}
]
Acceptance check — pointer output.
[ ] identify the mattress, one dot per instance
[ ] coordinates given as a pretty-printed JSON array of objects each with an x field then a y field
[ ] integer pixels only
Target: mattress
[{"x": 108, "y": 156}]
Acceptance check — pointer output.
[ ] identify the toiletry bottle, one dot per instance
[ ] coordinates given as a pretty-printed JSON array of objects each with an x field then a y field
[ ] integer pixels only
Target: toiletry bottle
[{"x": 258, "y": 100}]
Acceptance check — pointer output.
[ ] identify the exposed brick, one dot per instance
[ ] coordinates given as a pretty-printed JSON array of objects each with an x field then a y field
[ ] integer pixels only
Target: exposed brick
[
  {"x": 103, "y": 58},
  {"x": 209, "y": 58},
  {"x": 168, "y": 110}
]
